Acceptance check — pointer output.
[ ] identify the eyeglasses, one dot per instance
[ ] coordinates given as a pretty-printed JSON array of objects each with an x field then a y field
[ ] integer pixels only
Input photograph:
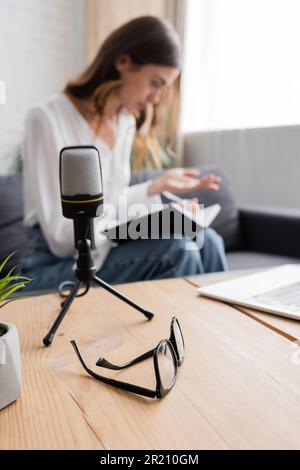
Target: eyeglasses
[{"x": 167, "y": 357}]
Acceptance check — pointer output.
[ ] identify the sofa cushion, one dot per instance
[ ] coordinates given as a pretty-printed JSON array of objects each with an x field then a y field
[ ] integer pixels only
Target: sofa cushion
[
  {"x": 12, "y": 231},
  {"x": 227, "y": 222}
]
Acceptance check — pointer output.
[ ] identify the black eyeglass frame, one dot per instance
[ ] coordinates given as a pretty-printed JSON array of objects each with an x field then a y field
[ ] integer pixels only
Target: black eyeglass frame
[
  {"x": 102, "y": 362},
  {"x": 159, "y": 392}
]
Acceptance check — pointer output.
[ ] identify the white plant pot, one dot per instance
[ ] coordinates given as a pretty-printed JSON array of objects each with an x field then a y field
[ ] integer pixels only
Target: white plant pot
[{"x": 10, "y": 365}]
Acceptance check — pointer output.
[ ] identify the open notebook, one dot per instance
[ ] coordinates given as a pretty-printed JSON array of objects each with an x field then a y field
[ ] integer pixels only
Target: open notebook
[{"x": 166, "y": 220}]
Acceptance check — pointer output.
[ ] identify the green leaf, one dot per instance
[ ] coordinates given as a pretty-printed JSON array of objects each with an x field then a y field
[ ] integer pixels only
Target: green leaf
[
  {"x": 7, "y": 283},
  {"x": 11, "y": 283},
  {"x": 12, "y": 290},
  {"x": 6, "y": 260},
  {"x": 7, "y": 279},
  {"x": 12, "y": 269},
  {"x": 10, "y": 286}
]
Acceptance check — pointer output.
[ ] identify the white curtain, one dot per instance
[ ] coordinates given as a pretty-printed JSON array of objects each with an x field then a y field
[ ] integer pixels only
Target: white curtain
[
  {"x": 242, "y": 67},
  {"x": 103, "y": 16}
]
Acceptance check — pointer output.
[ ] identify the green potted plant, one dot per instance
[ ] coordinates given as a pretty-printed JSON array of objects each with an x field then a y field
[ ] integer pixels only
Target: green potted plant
[{"x": 10, "y": 362}]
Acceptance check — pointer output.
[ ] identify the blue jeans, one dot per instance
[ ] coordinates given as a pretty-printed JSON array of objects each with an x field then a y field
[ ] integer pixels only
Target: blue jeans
[{"x": 130, "y": 261}]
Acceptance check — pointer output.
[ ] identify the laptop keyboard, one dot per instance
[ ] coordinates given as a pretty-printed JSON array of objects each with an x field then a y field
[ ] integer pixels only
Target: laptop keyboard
[{"x": 282, "y": 297}]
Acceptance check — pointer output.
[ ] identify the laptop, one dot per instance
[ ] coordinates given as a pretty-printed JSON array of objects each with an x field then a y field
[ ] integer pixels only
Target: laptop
[{"x": 275, "y": 290}]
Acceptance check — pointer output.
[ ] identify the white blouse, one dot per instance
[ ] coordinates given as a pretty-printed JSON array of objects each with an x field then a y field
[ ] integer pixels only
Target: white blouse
[{"x": 56, "y": 123}]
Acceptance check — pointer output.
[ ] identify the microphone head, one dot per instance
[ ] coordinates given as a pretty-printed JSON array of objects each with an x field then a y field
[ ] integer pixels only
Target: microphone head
[{"x": 81, "y": 181}]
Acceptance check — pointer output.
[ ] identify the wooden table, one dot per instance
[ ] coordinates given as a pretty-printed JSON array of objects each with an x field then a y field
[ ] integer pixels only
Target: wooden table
[{"x": 238, "y": 387}]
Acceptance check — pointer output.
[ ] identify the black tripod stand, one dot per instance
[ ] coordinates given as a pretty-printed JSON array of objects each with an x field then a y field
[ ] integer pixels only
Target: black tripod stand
[{"x": 86, "y": 273}]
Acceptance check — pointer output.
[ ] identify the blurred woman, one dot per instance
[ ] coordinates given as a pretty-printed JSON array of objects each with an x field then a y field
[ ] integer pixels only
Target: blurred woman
[{"x": 104, "y": 107}]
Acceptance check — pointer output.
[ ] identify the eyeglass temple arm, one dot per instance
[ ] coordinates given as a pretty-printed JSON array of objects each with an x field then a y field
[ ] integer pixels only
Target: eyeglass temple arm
[
  {"x": 102, "y": 362},
  {"x": 115, "y": 383}
]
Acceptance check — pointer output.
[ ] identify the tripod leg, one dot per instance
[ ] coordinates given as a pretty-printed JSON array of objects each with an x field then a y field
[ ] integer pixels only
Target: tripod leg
[
  {"x": 49, "y": 337},
  {"x": 120, "y": 296}
]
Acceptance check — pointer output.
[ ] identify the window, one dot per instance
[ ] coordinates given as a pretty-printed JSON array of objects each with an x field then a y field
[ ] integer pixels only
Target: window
[{"x": 242, "y": 64}]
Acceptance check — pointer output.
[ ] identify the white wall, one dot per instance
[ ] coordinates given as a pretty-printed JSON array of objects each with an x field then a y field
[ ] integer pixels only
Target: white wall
[{"x": 42, "y": 44}]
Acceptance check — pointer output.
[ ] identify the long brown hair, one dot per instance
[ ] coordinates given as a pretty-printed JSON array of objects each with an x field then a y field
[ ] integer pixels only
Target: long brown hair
[{"x": 146, "y": 40}]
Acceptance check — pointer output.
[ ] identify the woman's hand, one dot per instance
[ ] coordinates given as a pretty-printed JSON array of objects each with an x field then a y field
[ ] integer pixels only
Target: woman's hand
[{"x": 180, "y": 180}]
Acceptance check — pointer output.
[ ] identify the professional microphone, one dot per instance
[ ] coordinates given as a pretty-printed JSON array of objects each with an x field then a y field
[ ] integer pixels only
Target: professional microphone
[
  {"x": 82, "y": 200},
  {"x": 81, "y": 189}
]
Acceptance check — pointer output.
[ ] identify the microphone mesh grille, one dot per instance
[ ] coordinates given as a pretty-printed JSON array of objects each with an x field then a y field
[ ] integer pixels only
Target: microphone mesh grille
[{"x": 80, "y": 172}]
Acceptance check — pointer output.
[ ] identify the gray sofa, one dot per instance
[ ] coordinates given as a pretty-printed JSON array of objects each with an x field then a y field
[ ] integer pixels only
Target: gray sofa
[{"x": 254, "y": 236}]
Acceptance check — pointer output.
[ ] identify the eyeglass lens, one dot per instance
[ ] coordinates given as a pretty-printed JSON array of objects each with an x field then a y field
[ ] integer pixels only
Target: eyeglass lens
[
  {"x": 166, "y": 365},
  {"x": 178, "y": 339}
]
